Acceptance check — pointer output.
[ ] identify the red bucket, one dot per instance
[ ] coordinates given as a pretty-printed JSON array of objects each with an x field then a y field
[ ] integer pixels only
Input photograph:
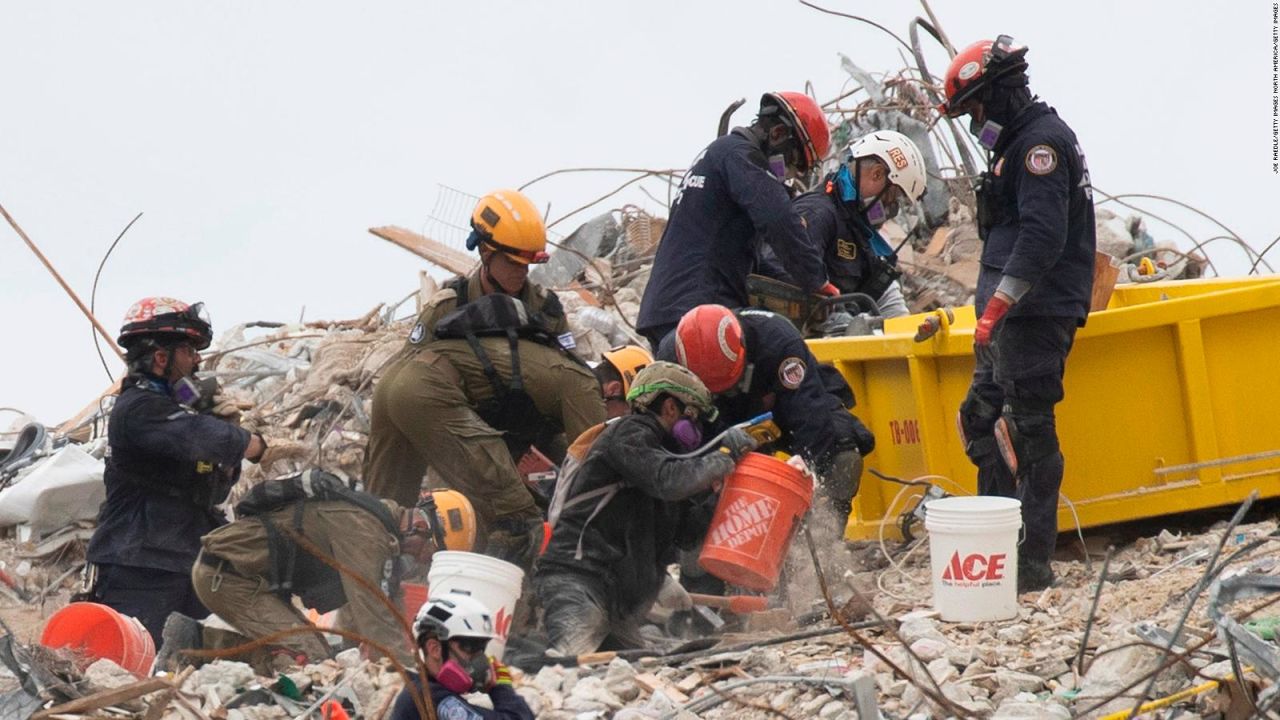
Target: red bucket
[
  {"x": 415, "y": 596},
  {"x": 759, "y": 512},
  {"x": 96, "y": 631}
]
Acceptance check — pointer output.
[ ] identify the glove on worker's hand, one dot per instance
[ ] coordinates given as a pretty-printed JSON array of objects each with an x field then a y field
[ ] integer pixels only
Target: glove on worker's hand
[
  {"x": 672, "y": 598},
  {"x": 672, "y": 594},
  {"x": 864, "y": 437},
  {"x": 738, "y": 442},
  {"x": 997, "y": 306},
  {"x": 499, "y": 674}
]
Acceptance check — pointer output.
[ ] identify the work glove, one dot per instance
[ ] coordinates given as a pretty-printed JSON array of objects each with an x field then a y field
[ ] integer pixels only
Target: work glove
[
  {"x": 499, "y": 674},
  {"x": 738, "y": 442},
  {"x": 672, "y": 598},
  {"x": 830, "y": 290},
  {"x": 997, "y": 306},
  {"x": 863, "y": 436}
]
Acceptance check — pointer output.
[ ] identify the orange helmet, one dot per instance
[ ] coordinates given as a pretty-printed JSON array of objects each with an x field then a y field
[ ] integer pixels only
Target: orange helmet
[
  {"x": 806, "y": 120},
  {"x": 709, "y": 342},
  {"x": 628, "y": 360},
  {"x": 509, "y": 222},
  {"x": 975, "y": 68},
  {"x": 166, "y": 317}
]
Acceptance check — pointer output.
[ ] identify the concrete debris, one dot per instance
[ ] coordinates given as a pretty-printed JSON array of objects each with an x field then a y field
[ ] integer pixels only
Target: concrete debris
[{"x": 307, "y": 387}]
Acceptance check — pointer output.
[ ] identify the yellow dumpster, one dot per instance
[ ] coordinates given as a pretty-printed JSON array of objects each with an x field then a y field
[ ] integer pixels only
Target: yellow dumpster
[{"x": 1172, "y": 404}]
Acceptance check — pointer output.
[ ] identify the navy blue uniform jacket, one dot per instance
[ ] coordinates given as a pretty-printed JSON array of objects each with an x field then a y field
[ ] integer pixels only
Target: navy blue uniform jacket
[
  {"x": 507, "y": 704},
  {"x": 811, "y": 407},
  {"x": 727, "y": 198},
  {"x": 164, "y": 465},
  {"x": 1044, "y": 233}
]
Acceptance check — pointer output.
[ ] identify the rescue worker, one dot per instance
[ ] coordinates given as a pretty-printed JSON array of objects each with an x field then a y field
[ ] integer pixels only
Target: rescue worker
[
  {"x": 1035, "y": 217},
  {"x": 755, "y": 361},
  {"x": 167, "y": 468},
  {"x": 616, "y": 371},
  {"x": 732, "y": 194},
  {"x": 627, "y": 509},
  {"x": 248, "y": 571},
  {"x": 451, "y": 632},
  {"x": 880, "y": 170},
  {"x": 485, "y": 375}
]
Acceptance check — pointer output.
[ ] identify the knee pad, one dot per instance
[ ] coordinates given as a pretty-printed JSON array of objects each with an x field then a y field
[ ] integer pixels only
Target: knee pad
[
  {"x": 975, "y": 423},
  {"x": 1030, "y": 436}
]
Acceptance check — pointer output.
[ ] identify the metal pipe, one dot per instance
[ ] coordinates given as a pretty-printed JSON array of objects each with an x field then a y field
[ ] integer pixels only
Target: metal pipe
[
  {"x": 49, "y": 266},
  {"x": 1219, "y": 462}
]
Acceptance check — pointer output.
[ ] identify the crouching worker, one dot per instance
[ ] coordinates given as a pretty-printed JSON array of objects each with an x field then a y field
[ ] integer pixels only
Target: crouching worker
[
  {"x": 451, "y": 632},
  {"x": 248, "y": 571},
  {"x": 619, "y": 518}
]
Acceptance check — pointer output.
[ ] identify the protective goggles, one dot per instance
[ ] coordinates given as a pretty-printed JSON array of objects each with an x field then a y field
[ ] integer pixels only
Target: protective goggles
[
  {"x": 196, "y": 313},
  {"x": 471, "y": 645},
  {"x": 533, "y": 257}
]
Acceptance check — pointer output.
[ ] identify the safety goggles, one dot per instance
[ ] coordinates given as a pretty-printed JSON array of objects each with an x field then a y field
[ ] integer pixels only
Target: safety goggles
[
  {"x": 533, "y": 257},
  {"x": 196, "y": 313},
  {"x": 472, "y": 645}
]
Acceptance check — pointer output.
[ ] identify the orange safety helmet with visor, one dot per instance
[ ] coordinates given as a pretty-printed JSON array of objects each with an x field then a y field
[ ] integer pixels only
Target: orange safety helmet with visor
[{"x": 507, "y": 221}]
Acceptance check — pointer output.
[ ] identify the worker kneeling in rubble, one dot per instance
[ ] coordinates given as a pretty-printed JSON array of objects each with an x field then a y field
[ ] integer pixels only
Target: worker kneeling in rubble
[
  {"x": 167, "y": 469},
  {"x": 248, "y": 571},
  {"x": 451, "y": 632},
  {"x": 842, "y": 218},
  {"x": 619, "y": 518},
  {"x": 485, "y": 375},
  {"x": 616, "y": 372},
  {"x": 755, "y": 362}
]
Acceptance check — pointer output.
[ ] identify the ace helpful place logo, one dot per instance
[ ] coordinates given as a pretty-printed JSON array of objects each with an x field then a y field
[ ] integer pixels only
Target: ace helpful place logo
[{"x": 974, "y": 570}]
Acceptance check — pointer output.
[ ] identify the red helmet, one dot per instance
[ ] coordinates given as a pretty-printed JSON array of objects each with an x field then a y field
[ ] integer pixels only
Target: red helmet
[
  {"x": 805, "y": 118},
  {"x": 163, "y": 316},
  {"x": 709, "y": 342},
  {"x": 976, "y": 67}
]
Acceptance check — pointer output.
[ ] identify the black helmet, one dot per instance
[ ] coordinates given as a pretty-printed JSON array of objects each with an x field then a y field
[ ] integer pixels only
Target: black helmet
[{"x": 164, "y": 317}]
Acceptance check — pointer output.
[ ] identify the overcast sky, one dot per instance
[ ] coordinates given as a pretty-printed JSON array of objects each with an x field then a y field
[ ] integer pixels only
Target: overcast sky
[{"x": 261, "y": 139}]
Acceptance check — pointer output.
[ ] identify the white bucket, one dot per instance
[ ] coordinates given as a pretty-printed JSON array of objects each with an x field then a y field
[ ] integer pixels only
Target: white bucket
[
  {"x": 494, "y": 582},
  {"x": 973, "y": 554}
]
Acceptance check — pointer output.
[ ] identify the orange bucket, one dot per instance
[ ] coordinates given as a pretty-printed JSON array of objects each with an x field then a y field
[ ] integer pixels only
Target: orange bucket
[
  {"x": 96, "y": 631},
  {"x": 415, "y": 596},
  {"x": 759, "y": 512}
]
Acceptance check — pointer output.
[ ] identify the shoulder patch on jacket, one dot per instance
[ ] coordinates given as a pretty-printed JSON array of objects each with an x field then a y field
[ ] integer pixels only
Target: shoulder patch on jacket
[
  {"x": 1041, "y": 160},
  {"x": 791, "y": 372},
  {"x": 455, "y": 708}
]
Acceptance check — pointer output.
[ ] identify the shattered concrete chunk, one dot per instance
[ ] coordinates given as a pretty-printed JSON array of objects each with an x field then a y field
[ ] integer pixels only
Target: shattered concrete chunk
[{"x": 106, "y": 675}]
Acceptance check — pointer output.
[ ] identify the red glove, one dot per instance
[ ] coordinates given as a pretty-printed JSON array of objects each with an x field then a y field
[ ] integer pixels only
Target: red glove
[
  {"x": 997, "y": 306},
  {"x": 830, "y": 290}
]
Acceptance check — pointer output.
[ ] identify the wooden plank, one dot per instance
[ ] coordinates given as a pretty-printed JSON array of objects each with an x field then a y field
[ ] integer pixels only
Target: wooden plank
[
  {"x": 433, "y": 251},
  {"x": 939, "y": 241},
  {"x": 106, "y": 698},
  {"x": 653, "y": 683},
  {"x": 156, "y": 711}
]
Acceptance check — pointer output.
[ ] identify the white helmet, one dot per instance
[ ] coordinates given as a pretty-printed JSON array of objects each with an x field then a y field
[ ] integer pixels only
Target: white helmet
[
  {"x": 899, "y": 154},
  {"x": 454, "y": 615}
]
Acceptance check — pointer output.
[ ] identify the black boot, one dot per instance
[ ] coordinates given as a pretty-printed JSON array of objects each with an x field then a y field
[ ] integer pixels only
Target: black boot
[
  {"x": 1034, "y": 576},
  {"x": 180, "y": 633}
]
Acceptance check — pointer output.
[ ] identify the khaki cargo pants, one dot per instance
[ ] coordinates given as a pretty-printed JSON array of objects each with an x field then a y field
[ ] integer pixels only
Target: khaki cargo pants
[
  {"x": 424, "y": 414},
  {"x": 235, "y": 587}
]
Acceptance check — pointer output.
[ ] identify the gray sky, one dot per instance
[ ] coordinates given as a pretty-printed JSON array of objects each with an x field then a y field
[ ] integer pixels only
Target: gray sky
[{"x": 262, "y": 139}]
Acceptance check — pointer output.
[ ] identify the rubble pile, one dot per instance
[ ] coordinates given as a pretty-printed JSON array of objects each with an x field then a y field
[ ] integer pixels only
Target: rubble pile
[{"x": 912, "y": 665}]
